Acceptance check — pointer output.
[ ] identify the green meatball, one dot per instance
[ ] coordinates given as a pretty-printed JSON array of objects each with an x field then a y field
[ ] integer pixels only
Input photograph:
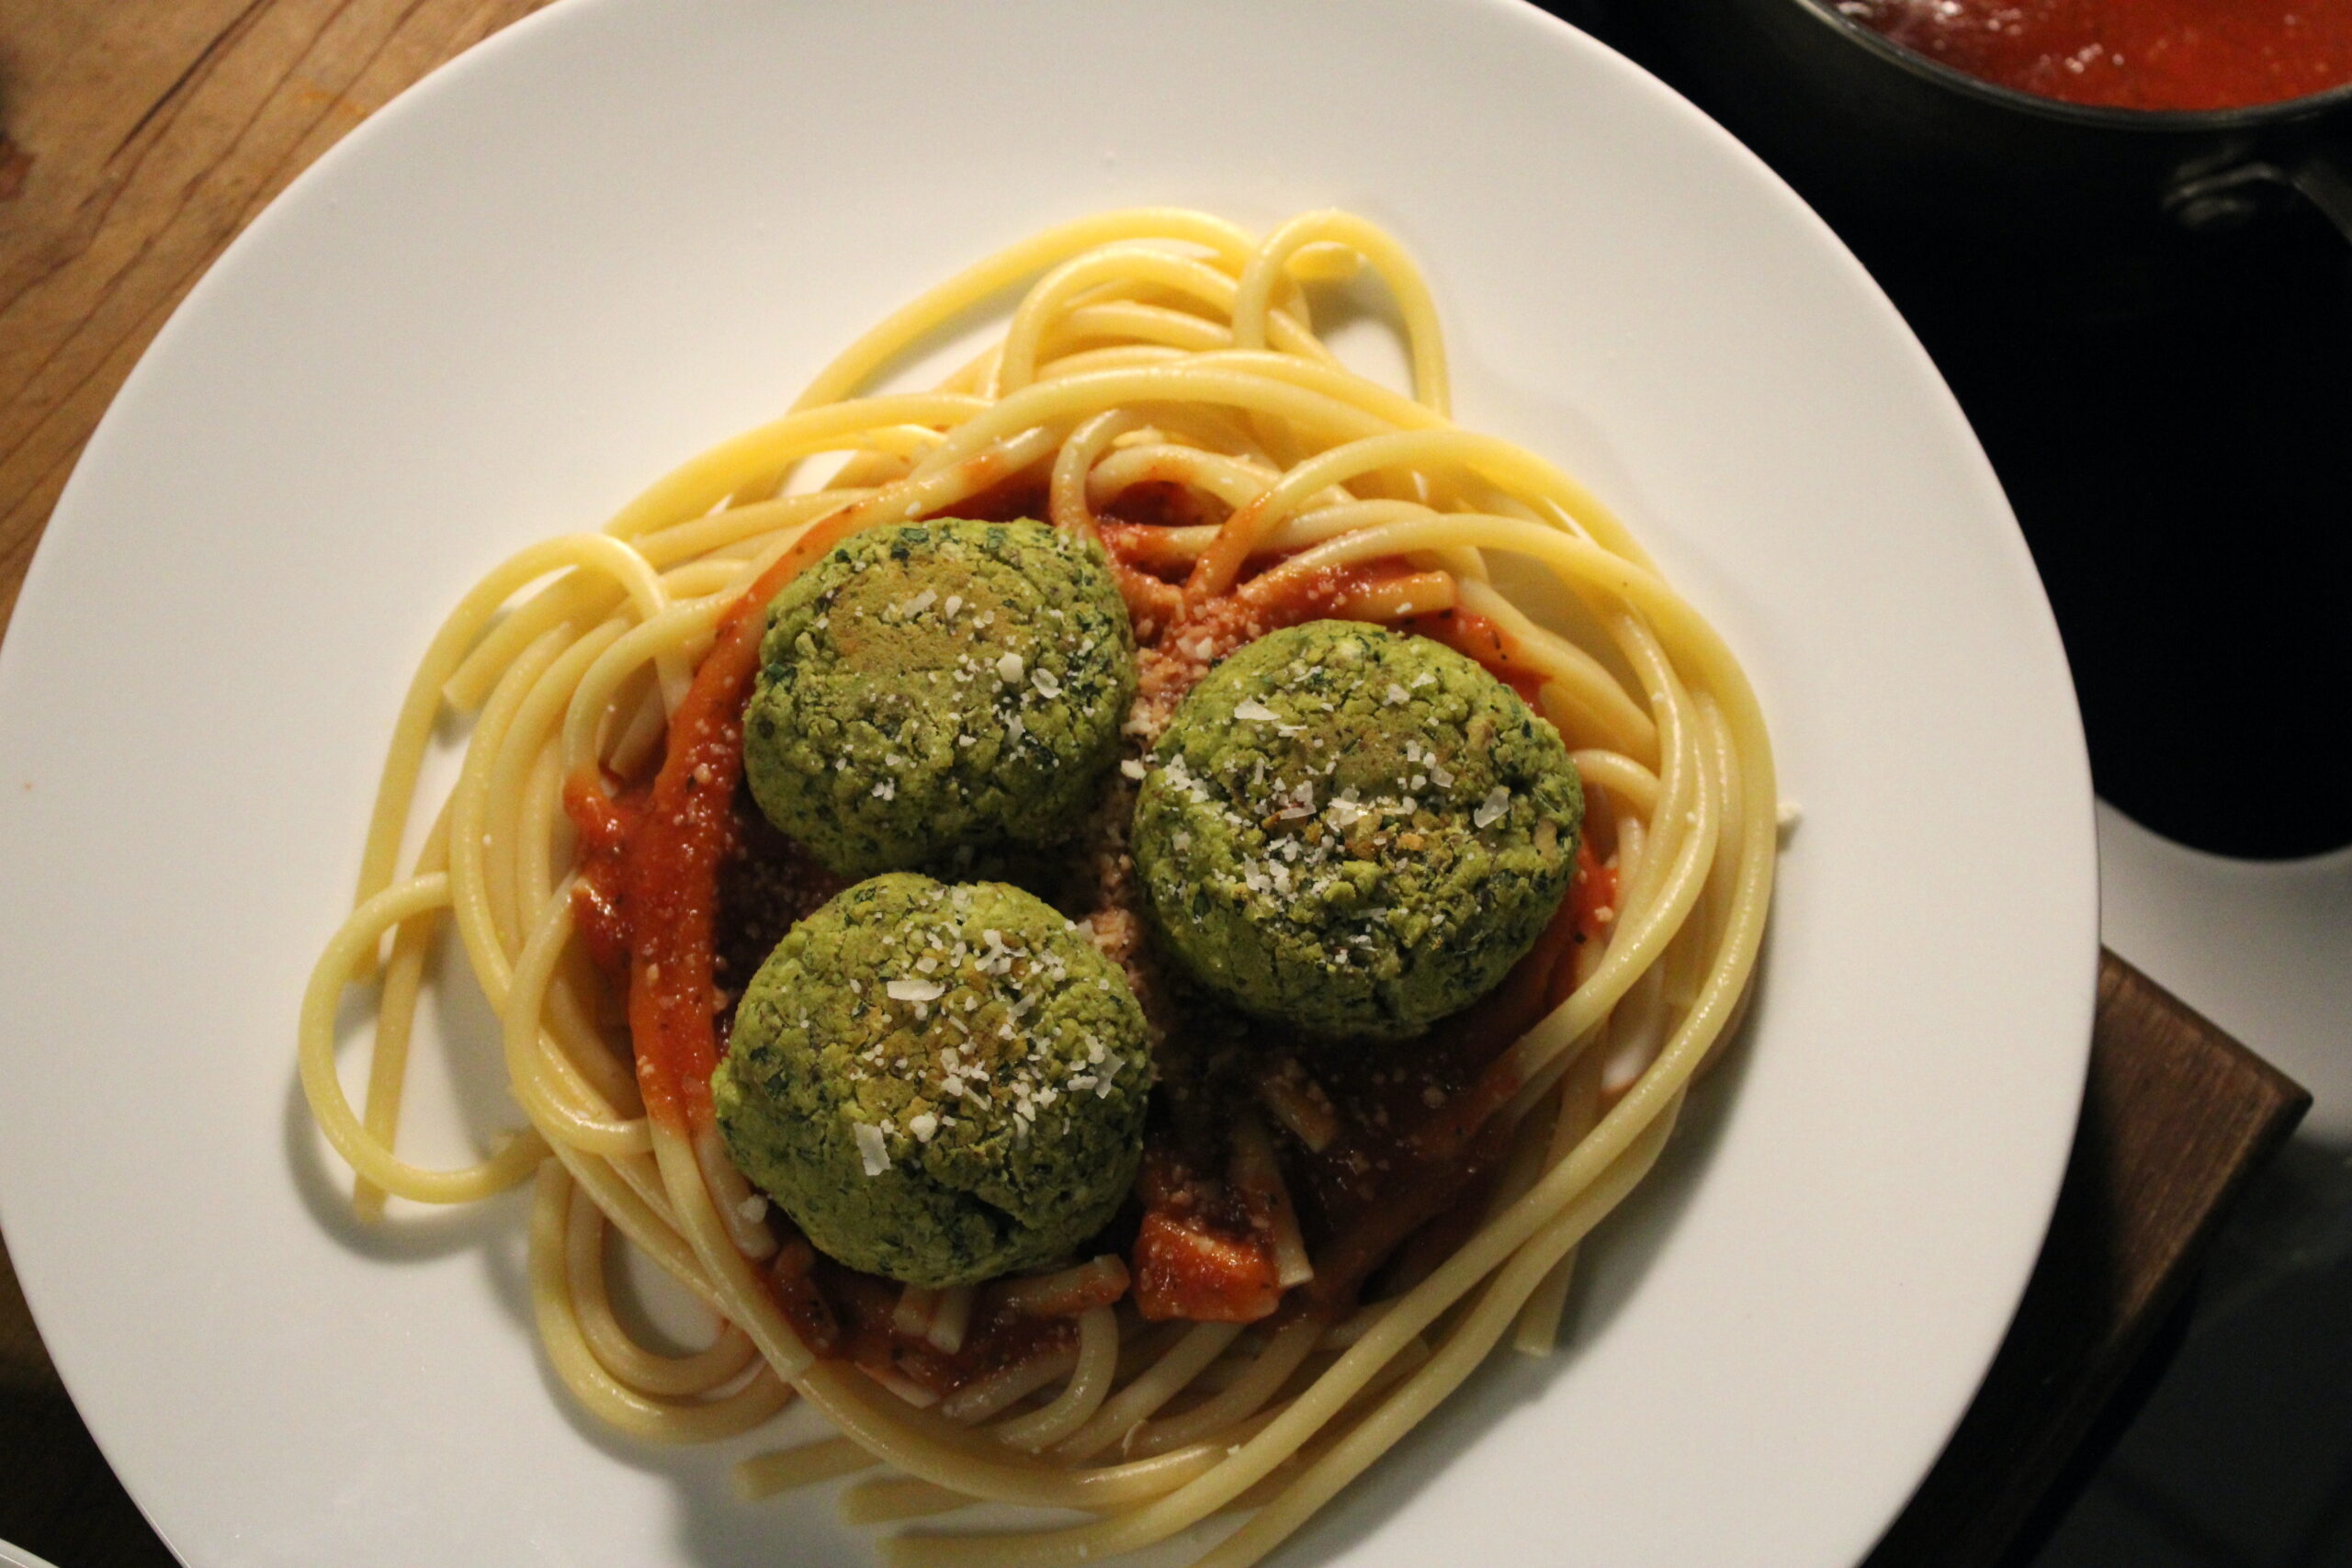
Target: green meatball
[
  {"x": 937, "y": 687},
  {"x": 1354, "y": 831},
  {"x": 938, "y": 1084}
]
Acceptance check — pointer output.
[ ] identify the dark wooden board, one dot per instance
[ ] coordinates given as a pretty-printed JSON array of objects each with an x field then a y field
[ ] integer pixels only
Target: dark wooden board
[{"x": 2177, "y": 1115}]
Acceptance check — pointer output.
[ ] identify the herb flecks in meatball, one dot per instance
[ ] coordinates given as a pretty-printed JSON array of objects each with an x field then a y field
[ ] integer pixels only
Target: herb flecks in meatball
[
  {"x": 938, "y": 1084},
  {"x": 1354, "y": 831},
  {"x": 935, "y": 688}
]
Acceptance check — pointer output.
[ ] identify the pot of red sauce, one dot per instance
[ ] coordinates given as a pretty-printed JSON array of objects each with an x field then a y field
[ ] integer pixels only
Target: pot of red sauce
[{"x": 2107, "y": 141}]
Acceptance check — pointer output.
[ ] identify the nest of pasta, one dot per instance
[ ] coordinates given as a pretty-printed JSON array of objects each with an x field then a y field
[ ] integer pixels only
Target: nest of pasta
[{"x": 1358, "y": 1166}]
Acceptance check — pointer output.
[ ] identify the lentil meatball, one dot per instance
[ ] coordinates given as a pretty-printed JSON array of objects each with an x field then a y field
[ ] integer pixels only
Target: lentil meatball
[
  {"x": 938, "y": 687},
  {"x": 938, "y": 1084},
  {"x": 1354, "y": 831}
]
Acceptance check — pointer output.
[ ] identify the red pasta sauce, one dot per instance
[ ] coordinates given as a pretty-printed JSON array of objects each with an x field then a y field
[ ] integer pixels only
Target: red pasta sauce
[
  {"x": 658, "y": 858},
  {"x": 651, "y": 860},
  {"x": 2131, "y": 54}
]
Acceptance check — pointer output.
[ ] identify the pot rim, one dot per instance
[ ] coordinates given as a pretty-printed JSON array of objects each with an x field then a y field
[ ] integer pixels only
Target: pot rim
[{"x": 2252, "y": 117}]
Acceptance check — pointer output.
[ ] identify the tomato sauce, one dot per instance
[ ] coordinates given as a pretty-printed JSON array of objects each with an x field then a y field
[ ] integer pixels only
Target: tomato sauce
[
  {"x": 651, "y": 890},
  {"x": 2132, "y": 54},
  {"x": 1421, "y": 1133},
  {"x": 1201, "y": 1255},
  {"x": 841, "y": 1313},
  {"x": 603, "y": 825},
  {"x": 1479, "y": 638},
  {"x": 682, "y": 887}
]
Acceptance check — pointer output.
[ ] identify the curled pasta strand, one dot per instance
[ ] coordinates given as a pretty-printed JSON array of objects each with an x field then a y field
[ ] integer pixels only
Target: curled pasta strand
[
  {"x": 1089, "y": 1385},
  {"x": 648, "y": 1371},
  {"x": 1253, "y": 303},
  {"x": 617, "y": 1403},
  {"x": 557, "y": 1108},
  {"x": 787, "y": 1469},
  {"x": 372, "y": 1159}
]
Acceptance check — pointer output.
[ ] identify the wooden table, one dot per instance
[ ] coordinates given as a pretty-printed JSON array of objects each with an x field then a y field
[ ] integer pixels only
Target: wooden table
[{"x": 137, "y": 137}]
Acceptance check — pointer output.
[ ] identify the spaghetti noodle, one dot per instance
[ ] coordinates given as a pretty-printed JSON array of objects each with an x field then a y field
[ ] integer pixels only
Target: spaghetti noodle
[{"x": 1159, "y": 384}]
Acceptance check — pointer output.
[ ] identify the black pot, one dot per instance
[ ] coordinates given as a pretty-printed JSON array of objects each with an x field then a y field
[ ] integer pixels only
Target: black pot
[
  {"x": 2148, "y": 317},
  {"x": 1898, "y": 150}
]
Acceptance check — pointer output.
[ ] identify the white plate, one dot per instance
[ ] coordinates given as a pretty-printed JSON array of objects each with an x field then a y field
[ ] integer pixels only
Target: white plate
[{"x": 625, "y": 229}]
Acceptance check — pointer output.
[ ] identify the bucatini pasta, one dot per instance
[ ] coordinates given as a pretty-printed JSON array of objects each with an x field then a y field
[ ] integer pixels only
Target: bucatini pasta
[{"x": 1366, "y": 1216}]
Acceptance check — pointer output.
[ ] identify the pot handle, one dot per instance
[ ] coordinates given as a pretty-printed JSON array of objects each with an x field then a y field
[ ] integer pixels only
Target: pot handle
[{"x": 2320, "y": 177}]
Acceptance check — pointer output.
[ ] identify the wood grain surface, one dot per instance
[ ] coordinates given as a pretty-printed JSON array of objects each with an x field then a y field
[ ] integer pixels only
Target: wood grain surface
[{"x": 137, "y": 137}]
